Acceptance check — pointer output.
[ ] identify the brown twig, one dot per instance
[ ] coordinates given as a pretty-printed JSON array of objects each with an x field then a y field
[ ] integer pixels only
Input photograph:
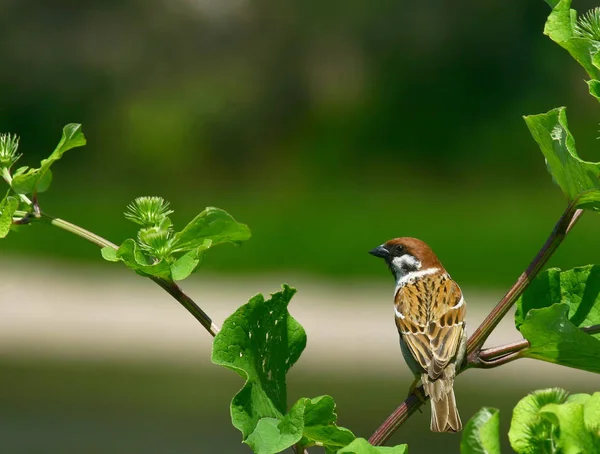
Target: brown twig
[
  {"x": 496, "y": 356},
  {"x": 476, "y": 341},
  {"x": 562, "y": 228}
]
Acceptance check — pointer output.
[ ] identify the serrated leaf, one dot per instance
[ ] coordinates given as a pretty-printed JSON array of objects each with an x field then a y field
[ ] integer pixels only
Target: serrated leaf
[
  {"x": 573, "y": 175},
  {"x": 482, "y": 433},
  {"x": 553, "y": 338},
  {"x": 212, "y": 224},
  {"x": 362, "y": 446},
  {"x": 579, "y": 288},
  {"x": 189, "y": 262},
  {"x": 134, "y": 258},
  {"x": 260, "y": 341},
  {"x": 8, "y": 206},
  {"x": 529, "y": 433},
  {"x": 560, "y": 27},
  {"x": 38, "y": 180}
]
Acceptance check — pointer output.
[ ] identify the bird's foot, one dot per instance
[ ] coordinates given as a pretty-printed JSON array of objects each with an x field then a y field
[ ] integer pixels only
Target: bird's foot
[{"x": 416, "y": 390}]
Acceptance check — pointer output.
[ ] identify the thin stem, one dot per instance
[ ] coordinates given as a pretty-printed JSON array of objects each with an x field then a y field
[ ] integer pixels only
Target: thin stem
[
  {"x": 494, "y": 353},
  {"x": 79, "y": 231},
  {"x": 499, "y": 361},
  {"x": 497, "y": 356},
  {"x": 563, "y": 226},
  {"x": 169, "y": 286},
  {"x": 176, "y": 292},
  {"x": 476, "y": 341}
]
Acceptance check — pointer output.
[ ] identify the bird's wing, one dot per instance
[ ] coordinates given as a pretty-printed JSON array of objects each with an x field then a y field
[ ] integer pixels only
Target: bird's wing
[{"x": 430, "y": 317}]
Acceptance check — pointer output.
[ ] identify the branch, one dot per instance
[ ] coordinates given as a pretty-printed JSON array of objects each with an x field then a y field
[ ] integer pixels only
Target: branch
[
  {"x": 562, "y": 228},
  {"x": 170, "y": 287},
  {"x": 497, "y": 356},
  {"x": 397, "y": 418},
  {"x": 476, "y": 341}
]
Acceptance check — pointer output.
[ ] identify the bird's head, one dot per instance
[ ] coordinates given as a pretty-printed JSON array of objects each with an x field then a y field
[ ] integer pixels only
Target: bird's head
[{"x": 407, "y": 255}]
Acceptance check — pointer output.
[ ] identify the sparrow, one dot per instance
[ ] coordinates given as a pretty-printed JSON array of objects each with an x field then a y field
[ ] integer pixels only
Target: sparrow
[{"x": 430, "y": 316}]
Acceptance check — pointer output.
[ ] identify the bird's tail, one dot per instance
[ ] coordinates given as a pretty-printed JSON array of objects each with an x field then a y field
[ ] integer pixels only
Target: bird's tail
[{"x": 444, "y": 414}]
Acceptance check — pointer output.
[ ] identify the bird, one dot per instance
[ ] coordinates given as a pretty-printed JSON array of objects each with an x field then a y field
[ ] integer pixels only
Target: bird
[{"x": 429, "y": 310}]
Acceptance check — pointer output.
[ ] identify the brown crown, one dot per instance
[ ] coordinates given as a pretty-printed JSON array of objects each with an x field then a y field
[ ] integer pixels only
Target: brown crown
[{"x": 419, "y": 249}]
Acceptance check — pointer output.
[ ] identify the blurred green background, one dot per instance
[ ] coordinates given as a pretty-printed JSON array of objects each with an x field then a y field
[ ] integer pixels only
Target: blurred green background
[{"x": 327, "y": 127}]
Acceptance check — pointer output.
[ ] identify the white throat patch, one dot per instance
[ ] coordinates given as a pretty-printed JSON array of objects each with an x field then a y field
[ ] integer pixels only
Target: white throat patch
[{"x": 401, "y": 281}]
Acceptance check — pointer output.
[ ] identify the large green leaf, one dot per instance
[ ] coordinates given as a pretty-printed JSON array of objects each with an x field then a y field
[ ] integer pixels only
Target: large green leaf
[
  {"x": 261, "y": 341},
  {"x": 212, "y": 224},
  {"x": 578, "y": 179},
  {"x": 482, "y": 433},
  {"x": 8, "y": 206},
  {"x": 362, "y": 446},
  {"x": 579, "y": 288},
  {"x": 560, "y": 27},
  {"x": 29, "y": 181},
  {"x": 554, "y": 338}
]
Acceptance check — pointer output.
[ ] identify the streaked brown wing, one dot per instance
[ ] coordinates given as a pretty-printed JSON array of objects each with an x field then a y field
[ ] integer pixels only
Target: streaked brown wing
[{"x": 431, "y": 321}]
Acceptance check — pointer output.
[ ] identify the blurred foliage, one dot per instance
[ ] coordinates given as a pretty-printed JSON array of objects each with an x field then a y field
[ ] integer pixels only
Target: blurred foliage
[{"x": 326, "y": 128}]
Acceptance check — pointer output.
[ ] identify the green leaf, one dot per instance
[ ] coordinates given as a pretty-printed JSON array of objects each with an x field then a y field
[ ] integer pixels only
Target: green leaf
[
  {"x": 319, "y": 425},
  {"x": 579, "y": 288},
  {"x": 274, "y": 435},
  {"x": 134, "y": 258},
  {"x": 482, "y": 433},
  {"x": 553, "y": 338},
  {"x": 594, "y": 87},
  {"x": 362, "y": 446},
  {"x": 591, "y": 414},
  {"x": 212, "y": 224},
  {"x": 261, "y": 341},
  {"x": 189, "y": 262},
  {"x": 8, "y": 206},
  {"x": 547, "y": 421},
  {"x": 38, "y": 180},
  {"x": 561, "y": 28},
  {"x": 529, "y": 433},
  {"x": 109, "y": 254},
  {"x": 570, "y": 433},
  {"x": 310, "y": 422},
  {"x": 573, "y": 175}
]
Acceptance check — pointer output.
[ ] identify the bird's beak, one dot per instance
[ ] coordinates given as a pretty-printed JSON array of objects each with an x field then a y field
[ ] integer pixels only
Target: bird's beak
[{"x": 380, "y": 251}]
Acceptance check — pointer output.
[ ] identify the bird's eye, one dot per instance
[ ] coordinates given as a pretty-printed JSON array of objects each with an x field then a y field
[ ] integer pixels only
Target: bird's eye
[{"x": 398, "y": 250}]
